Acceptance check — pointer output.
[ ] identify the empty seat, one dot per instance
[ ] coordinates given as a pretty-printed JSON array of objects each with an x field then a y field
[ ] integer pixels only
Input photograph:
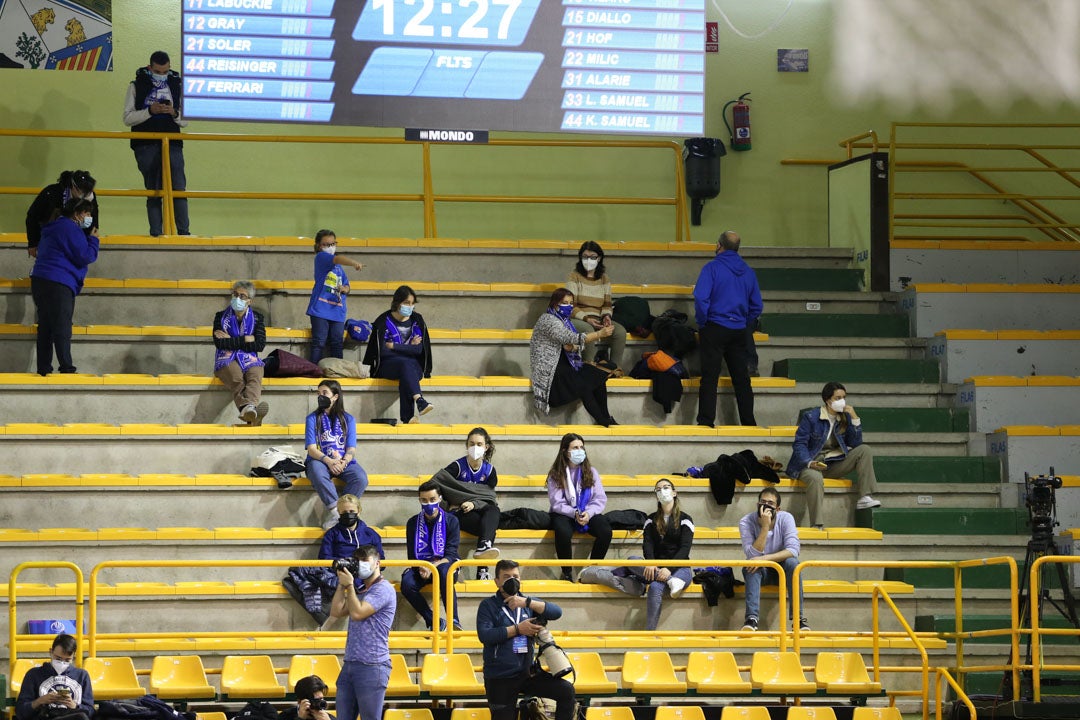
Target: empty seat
[
  {"x": 18, "y": 672},
  {"x": 749, "y": 712},
  {"x": 180, "y": 677},
  {"x": 876, "y": 713},
  {"x": 250, "y": 676},
  {"x": 327, "y": 667},
  {"x": 805, "y": 712},
  {"x": 779, "y": 673},
  {"x": 210, "y": 716},
  {"x": 715, "y": 673},
  {"x": 651, "y": 673},
  {"x": 589, "y": 675},
  {"x": 844, "y": 673},
  {"x": 113, "y": 678},
  {"x": 401, "y": 683},
  {"x": 449, "y": 675},
  {"x": 475, "y": 713},
  {"x": 407, "y": 714},
  {"x": 616, "y": 712},
  {"x": 679, "y": 712}
]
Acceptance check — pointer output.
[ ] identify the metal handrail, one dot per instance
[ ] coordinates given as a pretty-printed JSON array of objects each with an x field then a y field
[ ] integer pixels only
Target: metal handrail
[
  {"x": 427, "y": 196},
  {"x": 853, "y": 142},
  {"x": 1034, "y": 591},
  {"x": 13, "y": 580}
]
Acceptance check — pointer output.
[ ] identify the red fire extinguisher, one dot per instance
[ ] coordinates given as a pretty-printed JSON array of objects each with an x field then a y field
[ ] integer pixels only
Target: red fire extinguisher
[{"x": 740, "y": 117}]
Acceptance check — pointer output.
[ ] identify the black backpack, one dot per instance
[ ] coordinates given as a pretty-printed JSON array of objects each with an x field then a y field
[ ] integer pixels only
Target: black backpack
[
  {"x": 256, "y": 710},
  {"x": 673, "y": 335}
]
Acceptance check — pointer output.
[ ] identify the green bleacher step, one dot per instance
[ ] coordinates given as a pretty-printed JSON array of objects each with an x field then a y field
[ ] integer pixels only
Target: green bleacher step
[
  {"x": 947, "y": 623},
  {"x": 989, "y": 683},
  {"x": 856, "y": 371},
  {"x": 983, "y": 577},
  {"x": 835, "y": 325},
  {"x": 944, "y": 521},
  {"x": 908, "y": 470},
  {"x": 914, "y": 419},
  {"x": 825, "y": 279}
]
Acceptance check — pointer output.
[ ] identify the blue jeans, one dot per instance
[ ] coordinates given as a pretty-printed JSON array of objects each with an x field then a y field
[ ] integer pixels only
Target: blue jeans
[
  {"x": 329, "y": 334},
  {"x": 410, "y": 590},
  {"x": 654, "y": 597},
  {"x": 356, "y": 480},
  {"x": 768, "y": 576},
  {"x": 407, "y": 372},
  {"x": 148, "y": 157},
  {"x": 361, "y": 689}
]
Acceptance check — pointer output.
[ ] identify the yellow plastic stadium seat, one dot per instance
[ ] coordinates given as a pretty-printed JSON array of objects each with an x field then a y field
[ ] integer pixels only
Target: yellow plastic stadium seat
[
  {"x": 589, "y": 675},
  {"x": 715, "y": 673},
  {"x": 650, "y": 673},
  {"x": 473, "y": 713},
  {"x": 751, "y": 712},
  {"x": 616, "y": 712},
  {"x": 249, "y": 676},
  {"x": 401, "y": 683},
  {"x": 684, "y": 712},
  {"x": 449, "y": 675},
  {"x": 843, "y": 672},
  {"x": 804, "y": 712},
  {"x": 326, "y": 667},
  {"x": 179, "y": 677},
  {"x": 210, "y": 716},
  {"x": 407, "y": 714},
  {"x": 113, "y": 678},
  {"x": 877, "y": 713},
  {"x": 18, "y": 672},
  {"x": 779, "y": 673}
]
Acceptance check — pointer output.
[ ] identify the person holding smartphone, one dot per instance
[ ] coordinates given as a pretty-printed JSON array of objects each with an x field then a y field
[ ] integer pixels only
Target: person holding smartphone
[
  {"x": 56, "y": 688},
  {"x": 769, "y": 534}
]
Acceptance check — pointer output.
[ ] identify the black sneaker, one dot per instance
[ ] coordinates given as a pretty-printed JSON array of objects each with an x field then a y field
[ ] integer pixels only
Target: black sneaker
[
  {"x": 567, "y": 576},
  {"x": 483, "y": 574},
  {"x": 804, "y": 625},
  {"x": 750, "y": 624},
  {"x": 423, "y": 407}
]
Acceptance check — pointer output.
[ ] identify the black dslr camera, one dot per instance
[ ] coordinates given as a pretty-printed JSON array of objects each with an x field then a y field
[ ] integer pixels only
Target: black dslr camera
[
  {"x": 317, "y": 704},
  {"x": 350, "y": 564}
]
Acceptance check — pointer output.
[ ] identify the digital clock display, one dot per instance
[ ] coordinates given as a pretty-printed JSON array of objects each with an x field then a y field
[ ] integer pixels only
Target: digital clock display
[{"x": 611, "y": 66}]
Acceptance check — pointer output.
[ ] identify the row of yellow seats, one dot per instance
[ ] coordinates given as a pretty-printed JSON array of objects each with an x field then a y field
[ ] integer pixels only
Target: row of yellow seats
[
  {"x": 452, "y": 675},
  {"x": 685, "y": 712}
]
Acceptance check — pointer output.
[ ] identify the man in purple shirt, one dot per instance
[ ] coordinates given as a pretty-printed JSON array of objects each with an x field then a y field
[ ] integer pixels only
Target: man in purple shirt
[
  {"x": 769, "y": 534},
  {"x": 361, "y": 686}
]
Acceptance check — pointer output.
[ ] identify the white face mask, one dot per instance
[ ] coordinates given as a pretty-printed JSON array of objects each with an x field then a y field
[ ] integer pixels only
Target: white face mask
[
  {"x": 364, "y": 570},
  {"x": 60, "y": 666},
  {"x": 837, "y": 405},
  {"x": 477, "y": 451},
  {"x": 330, "y": 249},
  {"x": 87, "y": 222},
  {"x": 160, "y": 77},
  {"x": 577, "y": 456},
  {"x": 590, "y": 263},
  {"x": 665, "y": 496}
]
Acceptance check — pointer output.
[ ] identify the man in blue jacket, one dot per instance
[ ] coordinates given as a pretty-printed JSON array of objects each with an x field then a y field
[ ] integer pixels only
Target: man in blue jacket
[
  {"x": 727, "y": 300},
  {"x": 56, "y": 687},
  {"x": 505, "y": 626}
]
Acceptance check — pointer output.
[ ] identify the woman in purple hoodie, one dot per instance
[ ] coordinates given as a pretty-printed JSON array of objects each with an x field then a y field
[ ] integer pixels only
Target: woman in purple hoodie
[
  {"x": 63, "y": 256},
  {"x": 577, "y": 501}
]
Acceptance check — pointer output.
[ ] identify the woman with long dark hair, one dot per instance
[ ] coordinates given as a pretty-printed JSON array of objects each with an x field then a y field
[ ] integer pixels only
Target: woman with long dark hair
[
  {"x": 330, "y": 437},
  {"x": 47, "y": 206},
  {"x": 593, "y": 307},
  {"x": 577, "y": 500},
  {"x": 400, "y": 349}
]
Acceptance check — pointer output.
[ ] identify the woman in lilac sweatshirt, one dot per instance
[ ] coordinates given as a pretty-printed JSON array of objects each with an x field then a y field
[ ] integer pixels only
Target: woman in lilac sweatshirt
[
  {"x": 577, "y": 501},
  {"x": 63, "y": 256}
]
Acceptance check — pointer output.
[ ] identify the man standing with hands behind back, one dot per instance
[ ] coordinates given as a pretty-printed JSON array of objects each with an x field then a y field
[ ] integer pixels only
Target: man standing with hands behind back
[
  {"x": 727, "y": 300},
  {"x": 769, "y": 534},
  {"x": 153, "y": 104}
]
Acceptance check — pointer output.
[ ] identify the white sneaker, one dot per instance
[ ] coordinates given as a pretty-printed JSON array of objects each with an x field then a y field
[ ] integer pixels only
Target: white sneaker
[
  {"x": 486, "y": 552},
  {"x": 249, "y": 414},
  {"x": 676, "y": 585},
  {"x": 866, "y": 502},
  {"x": 331, "y": 519}
]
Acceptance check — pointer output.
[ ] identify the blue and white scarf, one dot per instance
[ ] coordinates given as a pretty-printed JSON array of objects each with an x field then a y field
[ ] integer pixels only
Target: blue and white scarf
[
  {"x": 431, "y": 545},
  {"x": 237, "y": 328},
  {"x": 579, "y": 499},
  {"x": 331, "y": 435},
  {"x": 394, "y": 335},
  {"x": 572, "y": 356}
]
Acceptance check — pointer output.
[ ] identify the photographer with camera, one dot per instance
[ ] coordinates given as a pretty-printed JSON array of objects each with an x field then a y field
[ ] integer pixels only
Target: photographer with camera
[
  {"x": 361, "y": 686},
  {"x": 507, "y": 623},
  {"x": 310, "y": 701},
  {"x": 769, "y": 534},
  {"x": 56, "y": 689}
]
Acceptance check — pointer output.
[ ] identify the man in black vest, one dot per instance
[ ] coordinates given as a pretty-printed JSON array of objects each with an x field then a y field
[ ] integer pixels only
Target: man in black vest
[{"x": 153, "y": 104}]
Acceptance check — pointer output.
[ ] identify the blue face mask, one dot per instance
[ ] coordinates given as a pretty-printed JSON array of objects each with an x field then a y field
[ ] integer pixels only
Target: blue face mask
[
  {"x": 364, "y": 570},
  {"x": 564, "y": 311},
  {"x": 159, "y": 77},
  {"x": 239, "y": 304},
  {"x": 577, "y": 456},
  {"x": 405, "y": 310},
  {"x": 87, "y": 222},
  {"x": 430, "y": 509}
]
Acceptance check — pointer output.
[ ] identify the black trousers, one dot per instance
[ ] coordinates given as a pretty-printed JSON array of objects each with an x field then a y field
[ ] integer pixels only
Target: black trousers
[
  {"x": 720, "y": 344},
  {"x": 482, "y": 523},
  {"x": 564, "y": 528},
  {"x": 55, "y": 303},
  {"x": 502, "y": 694}
]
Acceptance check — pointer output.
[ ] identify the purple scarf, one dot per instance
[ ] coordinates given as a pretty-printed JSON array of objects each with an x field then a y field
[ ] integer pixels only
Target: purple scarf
[
  {"x": 331, "y": 435},
  {"x": 572, "y": 356},
  {"x": 583, "y": 495},
  {"x": 393, "y": 335},
  {"x": 433, "y": 546},
  {"x": 237, "y": 328}
]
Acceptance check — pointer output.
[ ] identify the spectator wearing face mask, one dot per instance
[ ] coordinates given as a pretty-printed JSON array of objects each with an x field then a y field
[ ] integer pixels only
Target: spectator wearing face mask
[
  {"x": 593, "y": 307},
  {"x": 56, "y": 687},
  {"x": 71, "y": 185},
  {"x": 478, "y": 516},
  {"x": 432, "y": 535},
  {"x": 68, "y": 246},
  {"x": 327, "y": 308},
  {"x": 239, "y": 336},
  {"x": 310, "y": 704},
  {"x": 330, "y": 437},
  {"x": 400, "y": 349},
  {"x": 577, "y": 501},
  {"x": 350, "y": 532},
  {"x": 559, "y": 375},
  {"x": 828, "y": 444}
]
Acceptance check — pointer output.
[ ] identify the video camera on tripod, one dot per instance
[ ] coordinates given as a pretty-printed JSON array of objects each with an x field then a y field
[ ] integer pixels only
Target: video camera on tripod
[{"x": 1041, "y": 503}]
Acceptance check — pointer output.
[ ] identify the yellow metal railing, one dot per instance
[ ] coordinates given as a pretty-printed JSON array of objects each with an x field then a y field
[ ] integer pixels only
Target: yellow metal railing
[
  {"x": 426, "y": 196},
  {"x": 13, "y": 580},
  {"x": 1035, "y": 590}
]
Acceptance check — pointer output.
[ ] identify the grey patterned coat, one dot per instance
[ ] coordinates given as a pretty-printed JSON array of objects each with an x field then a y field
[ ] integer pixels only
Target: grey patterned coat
[{"x": 548, "y": 337}]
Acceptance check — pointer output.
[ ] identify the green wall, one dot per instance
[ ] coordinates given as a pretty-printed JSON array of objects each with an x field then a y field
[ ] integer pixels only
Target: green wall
[{"x": 795, "y": 115}]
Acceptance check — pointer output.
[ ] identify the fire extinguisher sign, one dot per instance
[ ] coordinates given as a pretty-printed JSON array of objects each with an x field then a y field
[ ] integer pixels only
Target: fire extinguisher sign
[{"x": 712, "y": 37}]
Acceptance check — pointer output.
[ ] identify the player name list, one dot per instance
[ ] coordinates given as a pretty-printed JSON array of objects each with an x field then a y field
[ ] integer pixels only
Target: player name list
[
  {"x": 259, "y": 59},
  {"x": 633, "y": 66}
]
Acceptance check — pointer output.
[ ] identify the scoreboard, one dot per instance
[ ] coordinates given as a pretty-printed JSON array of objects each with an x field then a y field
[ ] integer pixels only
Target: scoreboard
[{"x": 609, "y": 66}]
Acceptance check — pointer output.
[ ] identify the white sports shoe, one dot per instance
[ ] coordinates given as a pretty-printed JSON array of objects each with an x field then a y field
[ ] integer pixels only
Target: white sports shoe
[
  {"x": 676, "y": 585},
  {"x": 866, "y": 502}
]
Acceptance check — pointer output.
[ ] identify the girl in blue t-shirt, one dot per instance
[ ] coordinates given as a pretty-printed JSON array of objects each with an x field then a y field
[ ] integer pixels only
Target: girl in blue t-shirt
[
  {"x": 327, "y": 305},
  {"x": 330, "y": 437}
]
